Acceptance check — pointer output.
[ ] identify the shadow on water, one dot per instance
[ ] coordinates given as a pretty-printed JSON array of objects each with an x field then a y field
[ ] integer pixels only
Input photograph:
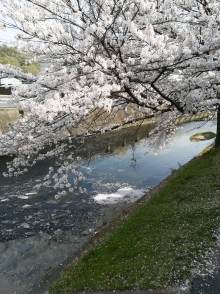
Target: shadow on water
[{"x": 115, "y": 160}]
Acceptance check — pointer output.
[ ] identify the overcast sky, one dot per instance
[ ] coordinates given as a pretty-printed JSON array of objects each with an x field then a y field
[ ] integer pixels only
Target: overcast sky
[{"x": 7, "y": 36}]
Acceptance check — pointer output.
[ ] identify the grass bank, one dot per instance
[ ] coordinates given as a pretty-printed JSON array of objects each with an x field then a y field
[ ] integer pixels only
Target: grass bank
[{"x": 162, "y": 241}]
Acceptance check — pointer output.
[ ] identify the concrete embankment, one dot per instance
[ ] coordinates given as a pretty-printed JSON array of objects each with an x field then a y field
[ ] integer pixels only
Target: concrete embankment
[
  {"x": 95, "y": 121},
  {"x": 8, "y": 116},
  {"x": 99, "y": 119}
]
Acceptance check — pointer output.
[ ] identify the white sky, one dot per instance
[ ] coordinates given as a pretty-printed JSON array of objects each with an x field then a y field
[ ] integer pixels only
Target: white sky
[{"x": 7, "y": 36}]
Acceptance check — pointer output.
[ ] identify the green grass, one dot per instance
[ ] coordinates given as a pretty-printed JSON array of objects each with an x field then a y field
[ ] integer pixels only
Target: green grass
[{"x": 161, "y": 242}]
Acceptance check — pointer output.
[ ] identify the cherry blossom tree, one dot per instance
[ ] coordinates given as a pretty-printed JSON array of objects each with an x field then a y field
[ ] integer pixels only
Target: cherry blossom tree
[{"x": 159, "y": 57}]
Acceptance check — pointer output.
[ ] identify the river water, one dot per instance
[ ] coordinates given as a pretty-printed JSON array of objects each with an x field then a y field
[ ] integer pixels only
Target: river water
[{"x": 117, "y": 168}]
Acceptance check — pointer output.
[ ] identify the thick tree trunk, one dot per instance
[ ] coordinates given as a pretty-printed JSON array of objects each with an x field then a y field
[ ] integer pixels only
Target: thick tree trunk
[{"x": 217, "y": 139}]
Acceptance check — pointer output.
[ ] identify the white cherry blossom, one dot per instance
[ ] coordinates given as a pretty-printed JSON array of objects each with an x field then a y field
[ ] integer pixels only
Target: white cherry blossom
[{"x": 161, "y": 56}]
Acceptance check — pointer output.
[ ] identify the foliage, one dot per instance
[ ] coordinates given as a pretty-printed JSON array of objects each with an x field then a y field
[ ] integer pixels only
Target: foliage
[
  {"x": 32, "y": 68},
  {"x": 9, "y": 60},
  {"x": 162, "y": 243},
  {"x": 9, "y": 55},
  {"x": 161, "y": 57}
]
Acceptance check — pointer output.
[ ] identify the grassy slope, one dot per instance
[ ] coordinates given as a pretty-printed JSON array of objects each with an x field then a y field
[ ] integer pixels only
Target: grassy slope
[{"x": 162, "y": 242}]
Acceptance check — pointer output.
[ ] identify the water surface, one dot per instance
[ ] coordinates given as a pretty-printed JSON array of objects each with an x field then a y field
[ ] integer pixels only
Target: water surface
[{"x": 111, "y": 162}]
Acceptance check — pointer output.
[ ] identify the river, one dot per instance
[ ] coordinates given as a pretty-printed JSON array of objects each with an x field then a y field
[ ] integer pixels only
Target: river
[{"x": 117, "y": 168}]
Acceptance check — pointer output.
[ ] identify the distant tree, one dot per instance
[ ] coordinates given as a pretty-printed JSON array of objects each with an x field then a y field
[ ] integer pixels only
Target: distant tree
[
  {"x": 9, "y": 55},
  {"x": 32, "y": 68},
  {"x": 9, "y": 60},
  {"x": 160, "y": 56}
]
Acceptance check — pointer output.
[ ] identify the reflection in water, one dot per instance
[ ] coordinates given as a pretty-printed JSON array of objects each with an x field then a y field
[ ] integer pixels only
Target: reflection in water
[
  {"x": 25, "y": 212},
  {"x": 124, "y": 194},
  {"x": 133, "y": 158}
]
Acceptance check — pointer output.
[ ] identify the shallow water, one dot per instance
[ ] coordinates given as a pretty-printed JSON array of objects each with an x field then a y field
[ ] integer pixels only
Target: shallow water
[{"x": 26, "y": 212}]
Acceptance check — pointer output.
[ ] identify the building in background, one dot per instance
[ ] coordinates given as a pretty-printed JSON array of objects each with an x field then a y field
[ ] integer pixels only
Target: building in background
[
  {"x": 7, "y": 84},
  {"x": 6, "y": 88}
]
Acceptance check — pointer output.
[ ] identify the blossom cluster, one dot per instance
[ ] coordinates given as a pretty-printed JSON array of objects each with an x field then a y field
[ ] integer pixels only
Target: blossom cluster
[{"x": 162, "y": 56}]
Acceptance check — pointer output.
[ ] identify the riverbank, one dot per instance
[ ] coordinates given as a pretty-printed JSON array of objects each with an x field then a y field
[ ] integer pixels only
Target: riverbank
[
  {"x": 7, "y": 117},
  {"x": 164, "y": 242},
  {"x": 117, "y": 121}
]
